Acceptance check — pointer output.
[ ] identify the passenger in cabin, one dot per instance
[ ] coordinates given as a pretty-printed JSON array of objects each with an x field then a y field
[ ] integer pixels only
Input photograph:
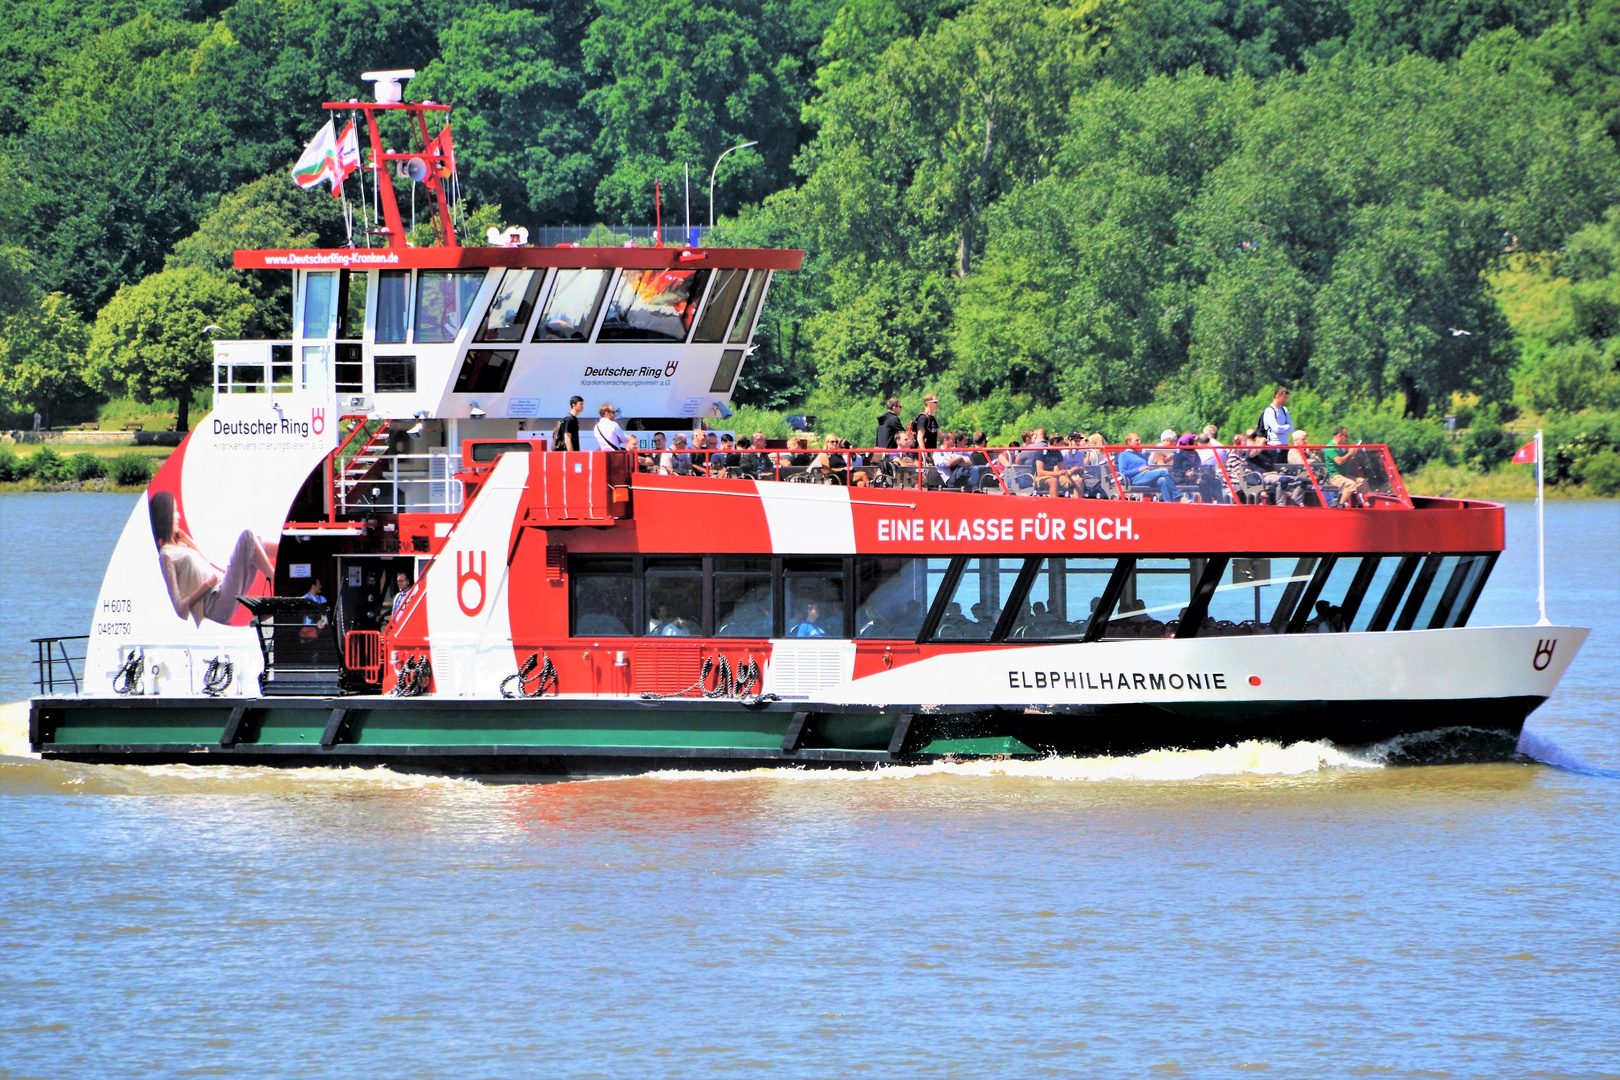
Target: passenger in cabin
[
  {"x": 1329, "y": 619},
  {"x": 1133, "y": 466},
  {"x": 197, "y": 589},
  {"x": 954, "y": 624},
  {"x": 889, "y": 425},
  {"x": 314, "y": 592},
  {"x": 609, "y": 435},
  {"x": 807, "y": 625}
]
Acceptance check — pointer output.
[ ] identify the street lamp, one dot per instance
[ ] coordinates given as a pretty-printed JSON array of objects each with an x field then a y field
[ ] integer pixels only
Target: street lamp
[{"x": 717, "y": 161}]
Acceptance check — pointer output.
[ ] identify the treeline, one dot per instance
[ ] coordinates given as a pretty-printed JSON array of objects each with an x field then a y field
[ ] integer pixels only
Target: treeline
[{"x": 1087, "y": 214}]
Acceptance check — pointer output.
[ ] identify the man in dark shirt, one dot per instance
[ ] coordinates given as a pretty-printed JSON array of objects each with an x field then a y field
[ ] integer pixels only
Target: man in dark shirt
[
  {"x": 569, "y": 428},
  {"x": 890, "y": 425},
  {"x": 925, "y": 427}
]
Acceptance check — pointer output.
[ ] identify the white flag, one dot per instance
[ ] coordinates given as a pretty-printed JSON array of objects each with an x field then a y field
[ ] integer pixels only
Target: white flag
[
  {"x": 348, "y": 155},
  {"x": 320, "y": 160}
]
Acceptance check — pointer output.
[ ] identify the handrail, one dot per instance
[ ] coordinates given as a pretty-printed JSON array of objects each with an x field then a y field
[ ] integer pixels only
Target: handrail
[
  {"x": 1362, "y": 475},
  {"x": 47, "y": 658}
]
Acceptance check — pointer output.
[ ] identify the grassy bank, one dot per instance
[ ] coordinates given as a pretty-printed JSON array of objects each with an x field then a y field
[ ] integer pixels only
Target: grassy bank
[{"x": 1504, "y": 484}]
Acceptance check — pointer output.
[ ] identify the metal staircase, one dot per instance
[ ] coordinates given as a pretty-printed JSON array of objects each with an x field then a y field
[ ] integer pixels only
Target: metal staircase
[{"x": 356, "y": 457}]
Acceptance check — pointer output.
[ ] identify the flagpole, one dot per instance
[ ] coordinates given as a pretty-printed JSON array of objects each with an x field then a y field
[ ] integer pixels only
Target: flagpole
[{"x": 1541, "y": 533}]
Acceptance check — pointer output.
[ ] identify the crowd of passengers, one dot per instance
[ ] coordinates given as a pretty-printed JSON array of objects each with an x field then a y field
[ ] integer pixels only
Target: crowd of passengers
[{"x": 1270, "y": 463}]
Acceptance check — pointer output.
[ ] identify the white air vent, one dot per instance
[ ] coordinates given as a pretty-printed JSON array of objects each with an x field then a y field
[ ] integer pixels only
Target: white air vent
[{"x": 805, "y": 668}]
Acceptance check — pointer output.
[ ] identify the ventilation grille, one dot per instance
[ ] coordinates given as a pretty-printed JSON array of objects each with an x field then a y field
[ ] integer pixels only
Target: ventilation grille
[
  {"x": 667, "y": 669},
  {"x": 800, "y": 670}
]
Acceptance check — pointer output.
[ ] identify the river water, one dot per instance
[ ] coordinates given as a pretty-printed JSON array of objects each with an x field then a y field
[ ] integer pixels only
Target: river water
[{"x": 1290, "y": 911}]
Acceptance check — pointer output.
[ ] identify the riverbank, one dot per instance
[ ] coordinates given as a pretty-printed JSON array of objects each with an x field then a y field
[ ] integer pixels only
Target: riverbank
[
  {"x": 1506, "y": 484},
  {"x": 102, "y": 486}
]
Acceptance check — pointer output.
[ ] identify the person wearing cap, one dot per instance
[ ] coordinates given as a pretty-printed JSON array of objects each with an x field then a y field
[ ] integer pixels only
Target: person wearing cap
[
  {"x": 1161, "y": 458},
  {"x": 925, "y": 427}
]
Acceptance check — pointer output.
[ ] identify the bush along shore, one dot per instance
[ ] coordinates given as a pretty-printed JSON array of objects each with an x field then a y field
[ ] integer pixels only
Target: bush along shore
[{"x": 47, "y": 470}]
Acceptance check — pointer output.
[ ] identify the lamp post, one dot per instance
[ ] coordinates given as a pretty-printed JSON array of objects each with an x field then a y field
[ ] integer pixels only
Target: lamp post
[{"x": 716, "y": 169}]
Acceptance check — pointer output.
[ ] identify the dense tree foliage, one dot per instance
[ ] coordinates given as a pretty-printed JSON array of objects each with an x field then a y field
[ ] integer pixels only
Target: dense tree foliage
[{"x": 1076, "y": 210}]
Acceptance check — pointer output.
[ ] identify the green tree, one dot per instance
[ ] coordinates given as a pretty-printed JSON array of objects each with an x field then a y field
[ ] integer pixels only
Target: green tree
[
  {"x": 42, "y": 357},
  {"x": 884, "y": 329},
  {"x": 150, "y": 340}
]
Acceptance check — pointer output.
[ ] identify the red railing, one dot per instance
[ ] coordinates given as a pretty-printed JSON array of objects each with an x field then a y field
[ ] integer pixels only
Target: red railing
[
  {"x": 1351, "y": 476},
  {"x": 362, "y": 653}
]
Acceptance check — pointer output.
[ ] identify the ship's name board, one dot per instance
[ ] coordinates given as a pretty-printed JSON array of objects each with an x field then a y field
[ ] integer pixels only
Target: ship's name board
[
  {"x": 631, "y": 374},
  {"x": 1040, "y": 528},
  {"x": 271, "y": 429},
  {"x": 1116, "y": 680}
]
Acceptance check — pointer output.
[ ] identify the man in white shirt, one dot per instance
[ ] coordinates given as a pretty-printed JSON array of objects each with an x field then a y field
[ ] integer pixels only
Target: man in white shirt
[
  {"x": 609, "y": 435},
  {"x": 1279, "y": 427}
]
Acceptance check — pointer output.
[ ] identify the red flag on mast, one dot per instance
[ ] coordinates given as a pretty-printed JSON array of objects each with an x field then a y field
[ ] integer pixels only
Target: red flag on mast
[{"x": 1526, "y": 454}]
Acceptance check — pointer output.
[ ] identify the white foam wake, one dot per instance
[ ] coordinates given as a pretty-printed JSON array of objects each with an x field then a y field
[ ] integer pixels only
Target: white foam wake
[
  {"x": 1250, "y": 758},
  {"x": 14, "y": 730}
]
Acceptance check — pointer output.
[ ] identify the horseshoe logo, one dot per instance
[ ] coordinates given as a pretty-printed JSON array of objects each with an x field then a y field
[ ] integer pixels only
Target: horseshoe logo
[
  {"x": 1544, "y": 654},
  {"x": 470, "y": 572},
  {"x": 317, "y": 421}
]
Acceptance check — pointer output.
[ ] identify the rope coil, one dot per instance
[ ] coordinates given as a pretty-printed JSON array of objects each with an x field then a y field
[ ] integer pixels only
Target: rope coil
[
  {"x": 218, "y": 675},
  {"x": 726, "y": 684},
  {"x": 546, "y": 678},
  {"x": 415, "y": 674},
  {"x": 128, "y": 678}
]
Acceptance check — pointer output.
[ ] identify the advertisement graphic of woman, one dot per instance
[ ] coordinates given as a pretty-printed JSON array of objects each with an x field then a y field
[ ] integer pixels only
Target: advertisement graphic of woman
[{"x": 197, "y": 589}]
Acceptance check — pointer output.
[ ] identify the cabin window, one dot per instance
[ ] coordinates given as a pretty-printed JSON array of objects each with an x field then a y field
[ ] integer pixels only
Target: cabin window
[
  {"x": 893, "y": 594},
  {"x": 975, "y": 606},
  {"x": 1427, "y": 590},
  {"x": 320, "y": 303},
  {"x": 1367, "y": 611},
  {"x": 395, "y": 374},
  {"x": 393, "y": 305},
  {"x": 317, "y": 367},
  {"x": 674, "y": 597},
  {"x": 1256, "y": 595},
  {"x": 571, "y": 308},
  {"x": 1062, "y": 595},
  {"x": 722, "y": 302},
  {"x": 443, "y": 300},
  {"x": 742, "y": 596},
  {"x": 509, "y": 311},
  {"x": 745, "y": 319},
  {"x": 1458, "y": 600},
  {"x": 1155, "y": 592},
  {"x": 350, "y": 369},
  {"x": 603, "y": 595},
  {"x": 653, "y": 305},
  {"x": 813, "y": 597},
  {"x": 485, "y": 371},
  {"x": 281, "y": 369}
]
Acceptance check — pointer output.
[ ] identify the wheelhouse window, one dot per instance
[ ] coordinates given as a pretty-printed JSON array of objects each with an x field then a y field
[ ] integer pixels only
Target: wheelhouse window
[
  {"x": 745, "y": 318},
  {"x": 281, "y": 369},
  {"x": 444, "y": 300},
  {"x": 653, "y": 305},
  {"x": 352, "y": 285},
  {"x": 350, "y": 369},
  {"x": 485, "y": 371},
  {"x": 603, "y": 596},
  {"x": 722, "y": 302},
  {"x": 726, "y": 373},
  {"x": 513, "y": 303},
  {"x": 571, "y": 308},
  {"x": 320, "y": 303},
  {"x": 393, "y": 306}
]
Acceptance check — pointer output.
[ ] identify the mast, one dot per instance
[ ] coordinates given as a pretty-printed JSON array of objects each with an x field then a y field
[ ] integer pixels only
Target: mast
[{"x": 431, "y": 166}]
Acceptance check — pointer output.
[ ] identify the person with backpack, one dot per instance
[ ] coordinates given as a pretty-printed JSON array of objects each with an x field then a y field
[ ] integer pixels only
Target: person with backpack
[
  {"x": 565, "y": 436},
  {"x": 1275, "y": 421},
  {"x": 925, "y": 427}
]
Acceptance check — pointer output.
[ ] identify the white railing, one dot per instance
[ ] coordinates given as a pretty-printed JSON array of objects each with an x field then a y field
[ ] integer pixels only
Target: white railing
[{"x": 406, "y": 484}]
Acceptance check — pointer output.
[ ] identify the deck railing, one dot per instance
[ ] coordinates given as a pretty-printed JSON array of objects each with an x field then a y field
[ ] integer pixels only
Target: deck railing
[
  {"x": 54, "y": 662},
  {"x": 1351, "y": 476}
]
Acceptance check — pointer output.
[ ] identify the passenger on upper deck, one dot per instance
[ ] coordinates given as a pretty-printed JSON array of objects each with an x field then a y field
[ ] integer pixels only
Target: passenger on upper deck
[
  {"x": 676, "y": 462},
  {"x": 925, "y": 427},
  {"x": 568, "y": 430},
  {"x": 1342, "y": 465},
  {"x": 954, "y": 469},
  {"x": 1275, "y": 420},
  {"x": 608, "y": 432},
  {"x": 1133, "y": 466},
  {"x": 889, "y": 426}
]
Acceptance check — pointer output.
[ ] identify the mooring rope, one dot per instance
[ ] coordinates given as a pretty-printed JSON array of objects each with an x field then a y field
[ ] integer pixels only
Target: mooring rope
[
  {"x": 414, "y": 676},
  {"x": 128, "y": 679},
  {"x": 217, "y": 677},
  {"x": 726, "y": 684},
  {"x": 546, "y": 678}
]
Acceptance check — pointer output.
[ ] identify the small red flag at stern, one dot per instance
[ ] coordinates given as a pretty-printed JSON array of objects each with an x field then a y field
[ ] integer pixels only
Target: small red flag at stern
[{"x": 1526, "y": 454}]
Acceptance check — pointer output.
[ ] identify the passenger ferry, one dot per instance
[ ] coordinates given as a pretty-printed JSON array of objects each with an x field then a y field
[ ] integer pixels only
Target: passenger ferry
[{"x": 370, "y": 551}]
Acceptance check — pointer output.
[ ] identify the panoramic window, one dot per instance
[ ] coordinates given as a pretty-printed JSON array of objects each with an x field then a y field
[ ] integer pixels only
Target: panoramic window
[
  {"x": 813, "y": 597},
  {"x": 570, "y": 310},
  {"x": 1155, "y": 592},
  {"x": 1257, "y": 595},
  {"x": 320, "y": 303},
  {"x": 1426, "y": 591},
  {"x": 443, "y": 301},
  {"x": 395, "y": 374},
  {"x": 674, "y": 597},
  {"x": 485, "y": 371},
  {"x": 1461, "y": 591},
  {"x": 653, "y": 305},
  {"x": 745, "y": 318},
  {"x": 1372, "y": 600},
  {"x": 742, "y": 596},
  {"x": 981, "y": 592},
  {"x": 602, "y": 600},
  {"x": 726, "y": 373},
  {"x": 893, "y": 594},
  {"x": 393, "y": 305},
  {"x": 722, "y": 302},
  {"x": 1061, "y": 598},
  {"x": 509, "y": 311}
]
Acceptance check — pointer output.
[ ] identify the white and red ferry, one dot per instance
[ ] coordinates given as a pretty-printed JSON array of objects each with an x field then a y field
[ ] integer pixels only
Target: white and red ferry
[{"x": 369, "y": 551}]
